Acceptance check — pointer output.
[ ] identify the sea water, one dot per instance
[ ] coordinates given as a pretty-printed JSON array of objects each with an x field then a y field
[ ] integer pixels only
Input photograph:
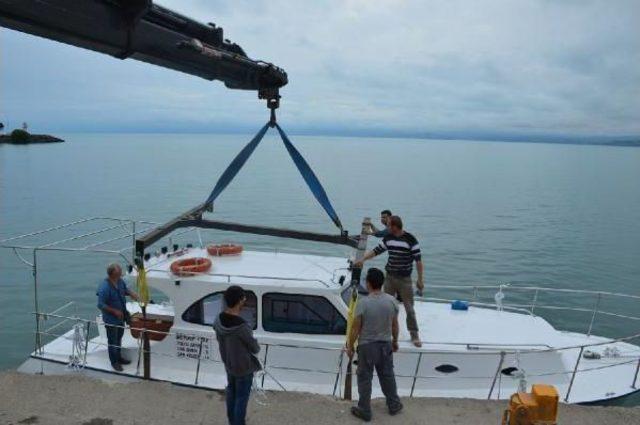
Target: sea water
[{"x": 485, "y": 213}]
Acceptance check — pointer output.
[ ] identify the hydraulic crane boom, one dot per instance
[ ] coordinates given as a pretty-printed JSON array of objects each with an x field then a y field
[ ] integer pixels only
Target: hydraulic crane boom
[{"x": 142, "y": 30}]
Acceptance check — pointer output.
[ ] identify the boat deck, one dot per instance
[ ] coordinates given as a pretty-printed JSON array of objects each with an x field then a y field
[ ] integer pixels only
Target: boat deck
[{"x": 259, "y": 268}]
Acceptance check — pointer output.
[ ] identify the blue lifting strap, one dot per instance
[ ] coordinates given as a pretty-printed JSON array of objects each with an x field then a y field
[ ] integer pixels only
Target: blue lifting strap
[
  {"x": 309, "y": 176},
  {"x": 236, "y": 165},
  {"x": 303, "y": 167}
]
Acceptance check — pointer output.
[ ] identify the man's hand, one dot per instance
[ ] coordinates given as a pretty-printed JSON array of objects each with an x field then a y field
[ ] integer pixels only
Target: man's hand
[
  {"x": 420, "y": 286},
  {"x": 119, "y": 314},
  {"x": 358, "y": 264},
  {"x": 349, "y": 351},
  {"x": 394, "y": 346},
  {"x": 133, "y": 296}
]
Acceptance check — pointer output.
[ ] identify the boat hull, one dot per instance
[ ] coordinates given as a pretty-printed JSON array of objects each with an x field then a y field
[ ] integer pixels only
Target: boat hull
[{"x": 489, "y": 370}]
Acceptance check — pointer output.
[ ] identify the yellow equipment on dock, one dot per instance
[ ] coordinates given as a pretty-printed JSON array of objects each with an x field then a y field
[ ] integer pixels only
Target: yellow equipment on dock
[{"x": 540, "y": 407}]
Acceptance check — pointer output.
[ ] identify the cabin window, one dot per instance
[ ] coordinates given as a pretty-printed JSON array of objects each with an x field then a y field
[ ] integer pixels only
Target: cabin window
[
  {"x": 306, "y": 314},
  {"x": 206, "y": 310}
]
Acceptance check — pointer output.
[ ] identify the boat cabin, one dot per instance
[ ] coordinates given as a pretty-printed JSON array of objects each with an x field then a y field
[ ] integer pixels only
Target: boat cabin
[{"x": 286, "y": 293}]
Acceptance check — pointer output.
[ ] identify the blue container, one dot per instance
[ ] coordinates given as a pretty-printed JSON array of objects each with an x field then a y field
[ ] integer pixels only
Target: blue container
[{"x": 460, "y": 305}]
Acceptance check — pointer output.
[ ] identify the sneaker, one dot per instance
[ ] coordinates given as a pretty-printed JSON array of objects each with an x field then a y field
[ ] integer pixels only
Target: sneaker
[
  {"x": 359, "y": 413},
  {"x": 117, "y": 367},
  {"x": 124, "y": 361},
  {"x": 395, "y": 410}
]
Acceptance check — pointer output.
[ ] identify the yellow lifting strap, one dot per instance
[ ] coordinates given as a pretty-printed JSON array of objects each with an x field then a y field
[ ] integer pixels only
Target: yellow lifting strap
[
  {"x": 351, "y": 315},
  {"x": 142, "y": 287}
]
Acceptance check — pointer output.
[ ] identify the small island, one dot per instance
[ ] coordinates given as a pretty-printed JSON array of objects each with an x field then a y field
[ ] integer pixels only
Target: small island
[{"x": 23, "y": 137}]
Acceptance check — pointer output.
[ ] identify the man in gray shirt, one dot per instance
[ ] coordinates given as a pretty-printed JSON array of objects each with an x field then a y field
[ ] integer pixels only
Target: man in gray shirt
[{"x": 375, "y": 326}]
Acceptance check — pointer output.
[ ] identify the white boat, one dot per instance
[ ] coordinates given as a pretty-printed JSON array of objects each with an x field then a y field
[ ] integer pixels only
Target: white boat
[{"x": 297, "y": 306}]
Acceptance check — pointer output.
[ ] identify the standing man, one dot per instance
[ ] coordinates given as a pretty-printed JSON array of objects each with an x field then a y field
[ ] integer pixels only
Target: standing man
[
  {"x": 384, "y": 219},
  {"x": 111, "y": 301},
  {"x": 238, "y": 348},
  {"x": 403, "y": 251},
  {"x": 375, "y": 326}
]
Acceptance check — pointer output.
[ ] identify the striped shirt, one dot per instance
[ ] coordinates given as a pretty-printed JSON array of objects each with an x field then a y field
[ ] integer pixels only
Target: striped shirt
[{"x": 403, "y": 251}]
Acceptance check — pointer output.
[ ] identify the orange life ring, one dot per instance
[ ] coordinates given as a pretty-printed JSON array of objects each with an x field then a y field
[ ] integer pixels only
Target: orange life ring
[
  {"x": 190, "y": 266},
  {"x": 224, "y": 249}
]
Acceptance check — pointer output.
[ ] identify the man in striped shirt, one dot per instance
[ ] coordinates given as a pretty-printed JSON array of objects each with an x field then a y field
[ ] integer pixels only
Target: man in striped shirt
[{"x": 403, "y": 250}]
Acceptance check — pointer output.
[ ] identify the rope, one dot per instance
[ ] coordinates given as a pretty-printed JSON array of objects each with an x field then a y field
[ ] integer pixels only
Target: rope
[
  {"x": 260, "y": 395},
  {"x": 76, "y": 360}
]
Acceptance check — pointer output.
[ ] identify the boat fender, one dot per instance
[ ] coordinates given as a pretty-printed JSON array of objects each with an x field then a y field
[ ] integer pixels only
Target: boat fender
[{"x": 460, "y": 305}]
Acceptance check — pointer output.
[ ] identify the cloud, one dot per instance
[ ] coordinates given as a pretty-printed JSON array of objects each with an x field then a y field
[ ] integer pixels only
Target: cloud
[{"x": 412, "y": 66}]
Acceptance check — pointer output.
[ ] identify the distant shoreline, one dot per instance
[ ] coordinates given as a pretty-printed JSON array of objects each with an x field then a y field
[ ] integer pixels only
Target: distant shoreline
[
  {"x": 31, "y": 139},
  {"x": 615, "y": 141}
]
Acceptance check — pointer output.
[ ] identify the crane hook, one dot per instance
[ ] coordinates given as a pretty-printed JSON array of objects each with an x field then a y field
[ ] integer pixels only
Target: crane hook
[{"x": 273, "y": 102}]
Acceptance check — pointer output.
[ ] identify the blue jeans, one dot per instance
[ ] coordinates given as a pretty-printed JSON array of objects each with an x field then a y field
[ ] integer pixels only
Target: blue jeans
[
  {"x": 114, "y": 339},
  {"x": 238, "y": 391}
]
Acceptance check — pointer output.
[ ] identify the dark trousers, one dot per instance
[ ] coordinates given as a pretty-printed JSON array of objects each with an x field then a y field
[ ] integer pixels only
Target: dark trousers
[
  {"x": 238, "y": 391},
  {"x": 378, "y": 356},
  {"x": 114, "y": 339}
]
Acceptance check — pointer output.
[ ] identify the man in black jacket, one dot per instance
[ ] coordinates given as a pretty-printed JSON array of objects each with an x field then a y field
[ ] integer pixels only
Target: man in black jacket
[{"x": 238, "y": 348}]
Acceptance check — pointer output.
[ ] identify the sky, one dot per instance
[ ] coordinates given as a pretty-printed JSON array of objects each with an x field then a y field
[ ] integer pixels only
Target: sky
[{"x": 527, "y": 67}]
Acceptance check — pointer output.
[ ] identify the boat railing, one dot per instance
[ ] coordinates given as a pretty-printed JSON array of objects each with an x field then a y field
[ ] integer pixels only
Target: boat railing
[
  {"x": 519, "y": 298},
  {"x": 502, "y": 351},
  {"x": 593, "y": 311},
  {"x": 131, "y": 229},
  {"x": 229, "y": 277}
]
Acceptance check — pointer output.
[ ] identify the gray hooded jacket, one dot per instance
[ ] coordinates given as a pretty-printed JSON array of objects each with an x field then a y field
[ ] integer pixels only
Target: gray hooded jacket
[{"x": 237, "y": 345}]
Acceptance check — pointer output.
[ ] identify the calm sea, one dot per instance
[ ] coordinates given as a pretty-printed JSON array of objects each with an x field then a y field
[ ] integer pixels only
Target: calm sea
[{"x": 484, "y": 212}]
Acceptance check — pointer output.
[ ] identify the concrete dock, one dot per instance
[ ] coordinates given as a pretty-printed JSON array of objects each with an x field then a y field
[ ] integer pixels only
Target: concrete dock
[{"x": 73, "y": 399}]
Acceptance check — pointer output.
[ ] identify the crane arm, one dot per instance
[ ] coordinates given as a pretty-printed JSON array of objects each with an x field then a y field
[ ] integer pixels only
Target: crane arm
[{"x": 142, "y": 30}]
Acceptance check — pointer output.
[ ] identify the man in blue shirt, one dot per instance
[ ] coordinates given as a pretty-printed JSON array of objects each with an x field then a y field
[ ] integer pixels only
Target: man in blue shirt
[
  {"x": 384, "y": 219},
  {"x": 111, "y": 301}
]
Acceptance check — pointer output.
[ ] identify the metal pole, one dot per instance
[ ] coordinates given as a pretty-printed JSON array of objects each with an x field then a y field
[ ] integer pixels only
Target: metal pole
[
  {"x": 635, "y": 378},
  {"x": 86, "y": 343},
  {"x": 266, "y": 353},
  {"x": 595, "y": 310},
  {"x": 335, "y": 385},
  {"x": 415, "y": 375},
  {"x": 573, "y": 375},
  {"x": 146, "y": 347},
  {"x": 535, "y": 300},
  {"x": 199, "y": 356},
  {"x": 38, "y": 347},
  {"x": 356, "y": 273},
  {"x": 495, "y": 377},
  {"x": 139, "y": 355},
  {"x": 133, "y": 240}
]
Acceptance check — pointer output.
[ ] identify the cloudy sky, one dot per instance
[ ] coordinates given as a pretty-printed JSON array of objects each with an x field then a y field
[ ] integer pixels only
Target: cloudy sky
[{"x": 512, "y": 67}]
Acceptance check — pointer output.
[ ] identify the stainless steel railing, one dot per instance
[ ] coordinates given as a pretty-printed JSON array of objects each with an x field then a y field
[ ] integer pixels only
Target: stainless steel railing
[{"x": 338, "y": 372}]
